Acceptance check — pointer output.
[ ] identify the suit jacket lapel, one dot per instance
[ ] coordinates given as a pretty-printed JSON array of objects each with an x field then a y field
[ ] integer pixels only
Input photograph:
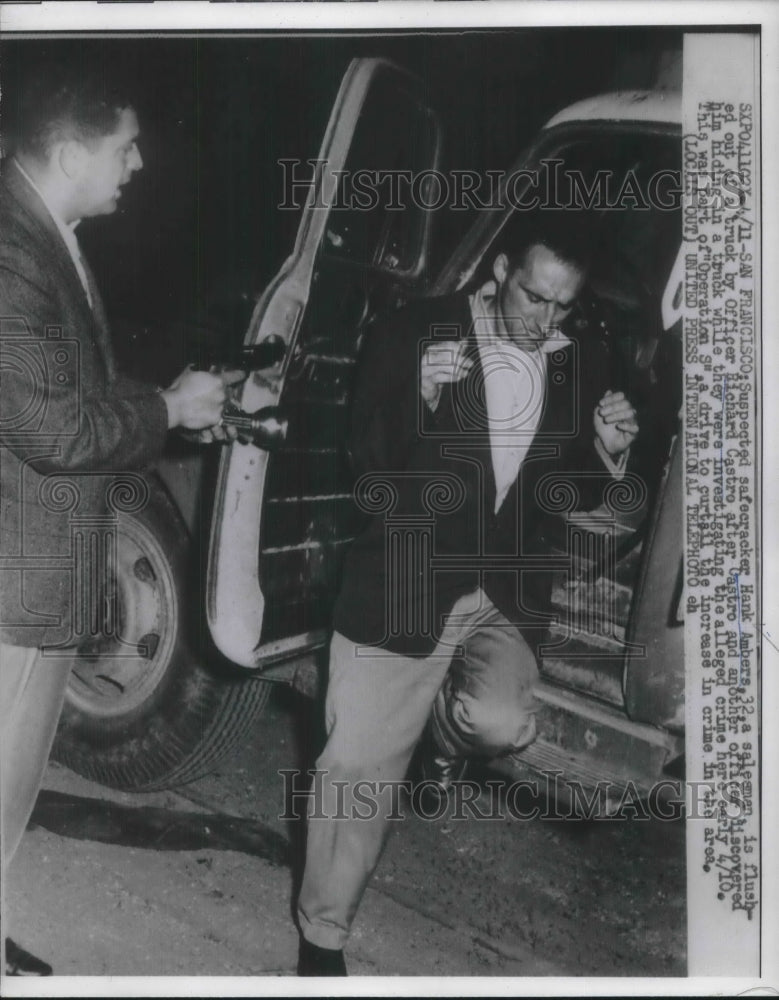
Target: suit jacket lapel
[
  {"x": 101, "y": 327},
  {"x": 560, "y": 399},
  {"x": 51, "y": 239},
  {"x": 43, "y": 226},
  {"x": 465, "y": 401},
  {"x": 463, "y": 409}
]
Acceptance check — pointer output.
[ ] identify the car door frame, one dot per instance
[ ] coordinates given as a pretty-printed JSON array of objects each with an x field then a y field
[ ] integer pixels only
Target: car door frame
[
  {"x": 234, "y": 596},
  {"x": 650, "y": 695}
]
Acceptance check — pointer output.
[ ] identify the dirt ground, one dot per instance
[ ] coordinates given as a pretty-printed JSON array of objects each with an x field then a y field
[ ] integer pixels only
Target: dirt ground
[{"x": 199, "y": 882}]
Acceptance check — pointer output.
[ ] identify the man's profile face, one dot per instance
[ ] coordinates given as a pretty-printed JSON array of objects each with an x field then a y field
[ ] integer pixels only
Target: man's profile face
[
  {"x": 536, "y": 294},
  {"x": 108, "y": 165}
]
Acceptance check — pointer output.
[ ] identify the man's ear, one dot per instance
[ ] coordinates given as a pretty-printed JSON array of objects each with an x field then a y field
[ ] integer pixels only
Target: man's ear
[
  {"x": 500, "y": 268},
  {"x": 71, "y": 157}
]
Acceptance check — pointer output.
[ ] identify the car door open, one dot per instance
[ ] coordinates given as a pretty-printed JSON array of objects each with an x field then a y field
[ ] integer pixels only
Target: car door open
[{"x": 282, "y": 520}]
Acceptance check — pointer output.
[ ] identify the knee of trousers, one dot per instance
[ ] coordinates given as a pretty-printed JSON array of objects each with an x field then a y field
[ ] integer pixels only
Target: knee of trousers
[{"x": 484, "y": 726}]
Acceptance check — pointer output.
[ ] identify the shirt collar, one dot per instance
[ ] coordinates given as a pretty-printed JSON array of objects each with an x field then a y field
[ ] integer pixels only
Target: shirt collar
[
  {"x": 489, "y": 324},
  {"x": 67, "y": 229}
]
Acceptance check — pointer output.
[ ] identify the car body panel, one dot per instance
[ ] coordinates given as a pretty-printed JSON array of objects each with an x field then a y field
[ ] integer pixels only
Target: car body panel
[
  {"x": 626, "y": 105},
  {"x": 558, "y": 133},
  {"x": 654, "y": 682}
]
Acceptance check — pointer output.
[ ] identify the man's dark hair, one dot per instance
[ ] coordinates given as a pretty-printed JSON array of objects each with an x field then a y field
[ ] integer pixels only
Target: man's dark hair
[
  {"x": 570, "y": 236},
  {"x": 61, "y": 103}
]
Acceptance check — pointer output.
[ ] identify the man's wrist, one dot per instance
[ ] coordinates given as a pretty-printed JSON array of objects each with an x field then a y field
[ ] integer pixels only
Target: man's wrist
[
  {"x": 431, "y": 398},
  {"x": 171, "y": 403},
  {"x": 615, "y": 463}
]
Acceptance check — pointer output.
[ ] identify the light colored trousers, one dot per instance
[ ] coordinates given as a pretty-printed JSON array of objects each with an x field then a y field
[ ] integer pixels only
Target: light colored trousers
[
  {"x": 478, "y": 682},
  {"x": 32, "y": 689}
]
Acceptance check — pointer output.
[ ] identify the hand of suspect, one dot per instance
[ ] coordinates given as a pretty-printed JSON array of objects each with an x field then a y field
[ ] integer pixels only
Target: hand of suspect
[
  {"x": 442, "y": 362},
  {"x": 195, "y": 399},
  {"x": 615, "y": 423}
]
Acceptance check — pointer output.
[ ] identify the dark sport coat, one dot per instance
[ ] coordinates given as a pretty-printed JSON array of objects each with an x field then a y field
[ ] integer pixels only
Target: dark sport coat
[
  {"x": 428, "y": 486},
  {"x": 73, "y": 431}
]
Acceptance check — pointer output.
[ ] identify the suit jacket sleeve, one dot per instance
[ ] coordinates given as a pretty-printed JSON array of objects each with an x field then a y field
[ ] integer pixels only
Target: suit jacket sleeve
[
  {"x": 597, "y": 374},
  {"x": 103, "y": 425}
]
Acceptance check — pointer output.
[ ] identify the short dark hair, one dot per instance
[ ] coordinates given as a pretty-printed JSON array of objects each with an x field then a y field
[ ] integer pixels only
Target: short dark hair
[
  {"x": 61, "y": 103},
  {"x": 568, "y": 234}
]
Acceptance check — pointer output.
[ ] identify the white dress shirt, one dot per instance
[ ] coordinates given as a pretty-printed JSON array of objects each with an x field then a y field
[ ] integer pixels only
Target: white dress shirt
[{"x": 515, "y": 389}]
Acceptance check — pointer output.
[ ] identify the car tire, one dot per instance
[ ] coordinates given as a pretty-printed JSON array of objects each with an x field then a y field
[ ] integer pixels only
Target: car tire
[{"x": 144, "y": 708}]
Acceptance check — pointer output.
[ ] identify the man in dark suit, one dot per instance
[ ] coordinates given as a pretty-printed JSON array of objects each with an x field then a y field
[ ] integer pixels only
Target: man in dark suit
[
  {"x": 70, "y": 423},
  {"x": 473, "y": 416}
]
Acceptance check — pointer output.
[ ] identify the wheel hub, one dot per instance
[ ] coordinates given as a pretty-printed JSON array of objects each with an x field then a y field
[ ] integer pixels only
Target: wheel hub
[{"x": 120, "y": 667}]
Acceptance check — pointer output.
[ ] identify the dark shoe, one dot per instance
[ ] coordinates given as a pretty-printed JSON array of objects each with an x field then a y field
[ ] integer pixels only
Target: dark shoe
[
  {"x": 316, "y": 961},
  {"x": 19, "y": 962}
]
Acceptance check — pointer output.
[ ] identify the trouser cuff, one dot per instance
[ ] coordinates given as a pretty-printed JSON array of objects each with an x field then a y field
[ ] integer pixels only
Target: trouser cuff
[{"x": 323, "y": 935}]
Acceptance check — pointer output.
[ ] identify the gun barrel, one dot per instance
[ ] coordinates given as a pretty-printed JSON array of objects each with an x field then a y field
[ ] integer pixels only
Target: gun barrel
[
  {"x": 249, "y": 357},
  {"x": 266, "y": 354}
]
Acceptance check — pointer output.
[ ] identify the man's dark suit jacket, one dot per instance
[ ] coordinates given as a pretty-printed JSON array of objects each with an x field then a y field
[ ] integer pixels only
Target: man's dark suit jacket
[
  {"x": 67, "y": 419},
  {"x": 431, "y": 475}
]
